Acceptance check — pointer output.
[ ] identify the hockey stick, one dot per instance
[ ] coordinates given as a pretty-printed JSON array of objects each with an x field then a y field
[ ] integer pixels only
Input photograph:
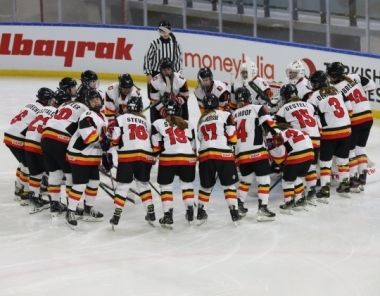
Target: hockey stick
[
  {"x": 259, "y": 91},
  {"x": 276, "y": 182}
]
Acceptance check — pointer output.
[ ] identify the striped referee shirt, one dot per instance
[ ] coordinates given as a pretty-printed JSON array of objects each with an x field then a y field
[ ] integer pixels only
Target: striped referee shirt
[{"x": 160, "y": 49}]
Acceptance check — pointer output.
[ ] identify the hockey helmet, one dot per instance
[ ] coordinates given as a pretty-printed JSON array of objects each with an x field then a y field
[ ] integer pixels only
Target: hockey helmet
[
  {"x": 318, "y": 80},
  {"x": 248, "y": 70},
  {"x": 165, "y": 26},
  {"x": 243, "y": 95},
  {"x": 91, "y": 96},
  {"x": 61, "y": 97},
  {"x": 44, "y": 94},
  {"x": 66, "y": 83},
  {"x": 210, "y": 102},
  {"x": 288, "y": 92},
  {"x": 87, "y": 77},
  {"x": 135, "y": 104},
  {"x": 125, "y": 81},
  {"x": 335, "y": 71},
  {"x": 172, "y": 107},
  {"x": 295, "y": 71},
  {"x": 205, "y": 77}
]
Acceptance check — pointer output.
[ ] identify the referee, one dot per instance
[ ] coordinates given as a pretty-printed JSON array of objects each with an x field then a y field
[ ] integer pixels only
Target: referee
[{"x": 166, "y": 46}]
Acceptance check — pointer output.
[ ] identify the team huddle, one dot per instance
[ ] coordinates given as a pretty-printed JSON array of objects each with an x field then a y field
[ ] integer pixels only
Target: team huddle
[{"x": 248, "y": 130}]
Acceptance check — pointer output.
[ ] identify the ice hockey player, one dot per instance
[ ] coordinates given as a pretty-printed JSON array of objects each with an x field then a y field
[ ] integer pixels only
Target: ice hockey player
[
  {"x": 33, "y": 150},
  {"x": 334, "y": 116},
  {"x": 296, "y": 74},
  {"x": 89, "y": 80},
  {"x": 173, "y": 138},
  {"x": 298, "y": 155},
  {"x": 207, "y": 86},
  {"x": 301, "y": 116},
  {"x": 14, "y": 139},
  {"x": 258, "y": 87},
  {"x": 69, "y": 86},
  {"x": 252, "y": 157},
  {"x": 117, "y": 96},
  {"x": 217, "y": 134},
  {"x": 55, "y": 139},
  {"x": 354, "y": 87},
  {"x": 84, "y": 154},
  {"x": 131, "y": 136},
  {"x": 168, "y": 85}
]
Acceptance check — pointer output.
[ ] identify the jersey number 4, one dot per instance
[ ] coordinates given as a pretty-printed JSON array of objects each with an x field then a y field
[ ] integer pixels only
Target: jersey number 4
[{"x": 19, "y": 117}]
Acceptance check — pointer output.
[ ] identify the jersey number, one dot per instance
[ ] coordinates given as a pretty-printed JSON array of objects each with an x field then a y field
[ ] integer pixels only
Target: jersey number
[
  {"x": 19, "y": 117},
  {"x": 63, "y": 114},
  {"x": 304, "y": 118},
  {"x": 137, "y": 131},
  {"x": 38, "y": 124},
  {"x": 241, "y": 133},
  {"x": 176, "y": 135},
  {"x": 296, "y": 136},
  {"x": 209, "y": 131},
  {"x": 339, "y": 111},
  {"x": 357, "y": 96}
]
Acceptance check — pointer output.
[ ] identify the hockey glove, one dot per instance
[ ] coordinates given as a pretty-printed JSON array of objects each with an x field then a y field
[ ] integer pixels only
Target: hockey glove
[
  {"x": 105, "y": 144},
  {"x": 107, "y": 161},
  {"x": 163, "y": 112}
]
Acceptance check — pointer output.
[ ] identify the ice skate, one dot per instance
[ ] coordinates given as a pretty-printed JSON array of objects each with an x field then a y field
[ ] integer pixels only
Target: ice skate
[{"x": 167, "y": 220}]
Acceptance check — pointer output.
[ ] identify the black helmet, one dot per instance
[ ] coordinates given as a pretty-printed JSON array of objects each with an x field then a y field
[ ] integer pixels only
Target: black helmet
[
  {"x": 135, "y": 104},
  {"x": 90, "y": 95},
  {"x": 172, "y": 107},
  {"x": 318, "y": 80},
  {"x": 125, "y": 81},
  {"x": 62, "y": 97},
  {"x": 243, "y": 95},
  {"x": 165, "y": 64},
  {"x": 67, "y": 83},
  {"x": 164, "y": 25},
  {"x": 288, "y": 91},
  {"x": 335, "y": 70},
  {"x": 210, "y": 101},
  {"x": 44, "y": 94},
  {"x": 205, "y": 73},
  {"x": 88, "y": 76}
]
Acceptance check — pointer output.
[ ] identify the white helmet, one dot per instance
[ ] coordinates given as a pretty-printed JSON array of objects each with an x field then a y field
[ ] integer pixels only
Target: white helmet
[
  {"x": 295, "y": 71},
  {"x": 251, "y": 70}
]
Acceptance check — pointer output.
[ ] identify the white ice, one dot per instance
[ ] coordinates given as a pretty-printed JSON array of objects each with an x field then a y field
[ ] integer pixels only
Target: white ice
[{"x": 330, "y": 250}]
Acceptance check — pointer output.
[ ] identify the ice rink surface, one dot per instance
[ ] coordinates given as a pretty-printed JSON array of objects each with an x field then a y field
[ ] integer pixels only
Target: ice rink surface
[{"x": 332, "y": 249}]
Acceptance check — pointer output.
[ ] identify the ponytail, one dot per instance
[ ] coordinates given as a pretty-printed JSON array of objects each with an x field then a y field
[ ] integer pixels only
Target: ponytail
[{"x": 178, "y": 121}]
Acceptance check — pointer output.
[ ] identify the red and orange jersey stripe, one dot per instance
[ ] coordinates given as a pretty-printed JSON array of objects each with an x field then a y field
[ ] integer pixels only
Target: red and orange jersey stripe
[
  {"x": 183, "y": 159},
  {"x": 299, "y": 189},
  {"x": 243, "y": 186},
  {"x": 252, "y": 156},
  {"x": 79, "y": 159},
  {"x": 263, "y": 189},
  {"x": 311, "y": 176},
  {"x": 232, "y": 139},
  {"x": 325, "y": 171},
  {"x": 132, "y": 156},
  {"x": 204, "y": 196},
  {"x": 300, "y": 157},
  {"x": 343, "y": 168},
  {"x": 91, "y": 138},
  {"x": 362, "y": 159},
  {"x": 12, "y": 141},
  {"x": 230, "y": 193},
  {"x": 316, "y": 142},
  {"x": 91, "y": 191},
  {"x": 362, "y": 117},
  {"x": 146, "y": 195},
  {"x": 54, "y": 188},
  {"x": 336, "y": 133},
  {"x": 53, "y": 134},
  {"x": 215, "y": 155},
  {"x": 187, "y": 194},
  {"x": 288, "y": 192},
  {"x": 119, "y": 200},
  {"x": 33, "y": 147},
  {"x": 166, "y": 196},
  {"x": 34, "y": 182},
  {"x": 75, "y": 195}
]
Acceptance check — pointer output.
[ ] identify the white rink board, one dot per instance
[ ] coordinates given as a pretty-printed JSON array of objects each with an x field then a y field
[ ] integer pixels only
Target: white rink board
[{"x": 115, "y": 49}]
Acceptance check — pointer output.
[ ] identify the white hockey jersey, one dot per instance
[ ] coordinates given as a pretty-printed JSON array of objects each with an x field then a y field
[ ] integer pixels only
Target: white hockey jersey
[
  {"x": 220, "y": 89},
  {"x": 250, "y": 145},
  {"x": 216, "y": 134},
  {"x": 301, "y": 116},
  {"x": 354, "y": 91},
  {"x": 297, "y": 148},
  {"x": 333, "y": 114},
  {"x": 256, "y": 99},
  {"x": 84, "y": 147},
  {"x": 64, "y": 123},
  {"x": 303, "y": 88},
  {"x": 161, "y": 87},
  {"x": 14, "y": 136},
  {"x": 34, "y": 133},
  {"x": 131, "y": 135},
  {"x": 115, "y": 103},
  {"x": 176, "y": 146}
]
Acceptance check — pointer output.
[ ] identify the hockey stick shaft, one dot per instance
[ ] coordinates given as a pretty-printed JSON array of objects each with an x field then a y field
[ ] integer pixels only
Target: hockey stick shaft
[
  {"x": 276, "y": 182},
  {"x": 107, "y": 189}
]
